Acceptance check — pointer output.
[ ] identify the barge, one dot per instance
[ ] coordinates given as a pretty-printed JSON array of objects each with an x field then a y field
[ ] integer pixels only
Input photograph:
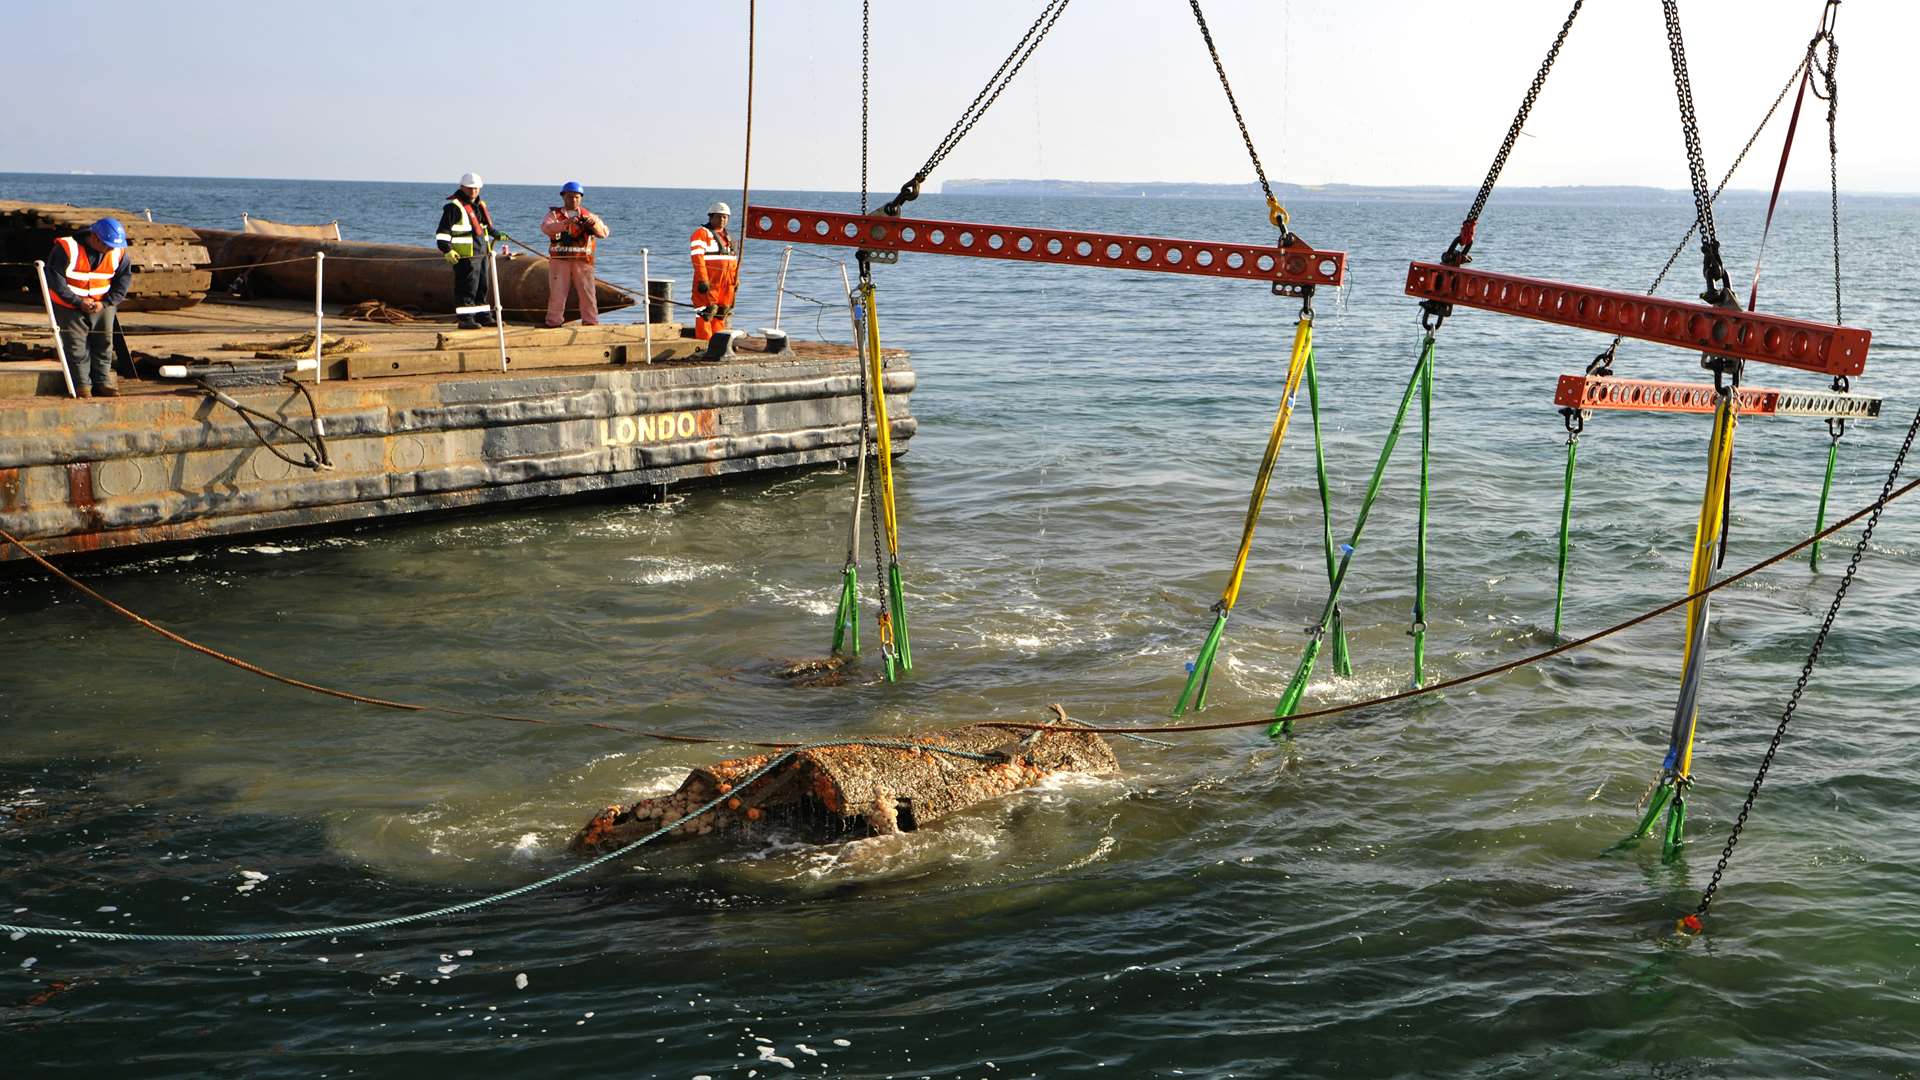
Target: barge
[{"x": 414, "y": 419}]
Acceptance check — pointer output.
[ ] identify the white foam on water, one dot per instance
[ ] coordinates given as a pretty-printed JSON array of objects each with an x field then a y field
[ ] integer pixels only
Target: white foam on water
[
  {"x": 525, "y": 848},
  {"x": 666, "y": 570}
]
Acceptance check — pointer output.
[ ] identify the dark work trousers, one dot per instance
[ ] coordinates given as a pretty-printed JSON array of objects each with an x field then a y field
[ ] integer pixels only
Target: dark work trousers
[
  {"x": 470, "y": 286},
  {"x": 88, "y": 340}
]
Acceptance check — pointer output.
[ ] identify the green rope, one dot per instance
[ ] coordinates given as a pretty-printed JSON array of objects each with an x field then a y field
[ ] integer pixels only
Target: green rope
[
  {"x": 469, "y": 905},
  {"x": 1566, "y": 518},
  {"x": 1302, "y": 675},
  {"x": 1419, "y": 628},
  {"x": 1826, "y": 488},
  {"x": 1342, "y": 661}
]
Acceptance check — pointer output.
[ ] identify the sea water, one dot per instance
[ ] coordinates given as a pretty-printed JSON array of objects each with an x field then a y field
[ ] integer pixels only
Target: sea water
[{"x": 1419, "y": 890}]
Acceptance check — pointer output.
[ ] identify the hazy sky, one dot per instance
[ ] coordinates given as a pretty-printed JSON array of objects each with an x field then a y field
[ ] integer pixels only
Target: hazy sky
[{"x": 653, "y": 93}]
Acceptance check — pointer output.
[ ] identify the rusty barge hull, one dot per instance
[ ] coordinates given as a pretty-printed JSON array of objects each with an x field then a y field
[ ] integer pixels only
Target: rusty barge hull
[{"x": 139, "y": 471}]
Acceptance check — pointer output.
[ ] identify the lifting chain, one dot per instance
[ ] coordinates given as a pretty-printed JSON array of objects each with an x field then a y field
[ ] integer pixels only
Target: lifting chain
[
  {"x": 1457, "y": 250},
  {"x": 866, "y": 24},
  {"x": 1002, "y": 76},
  {"x": 1276, "y": 214},
  {"x": 1830, "y": 82},
  {"x": 1692, "y": 922},
  {"x": 876, "y": 508},
  {"x": 1719, "y": 290}
]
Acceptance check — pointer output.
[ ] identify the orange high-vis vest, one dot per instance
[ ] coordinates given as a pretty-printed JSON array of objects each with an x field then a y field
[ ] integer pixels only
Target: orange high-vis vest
[
  {"x": 87, "y": 277},
  {"x": 710, "y": 254},
  {"x": 576, "y": 241}
]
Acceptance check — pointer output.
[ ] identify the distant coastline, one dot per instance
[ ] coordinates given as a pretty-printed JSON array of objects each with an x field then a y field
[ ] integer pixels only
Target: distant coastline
[{"x": 1580, "y": 193}]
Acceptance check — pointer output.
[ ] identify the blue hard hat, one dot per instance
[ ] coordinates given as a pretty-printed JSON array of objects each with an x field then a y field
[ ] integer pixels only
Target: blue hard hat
[
  {"x": 573, "y": 186},
  {"x": 110, "y": 232}
]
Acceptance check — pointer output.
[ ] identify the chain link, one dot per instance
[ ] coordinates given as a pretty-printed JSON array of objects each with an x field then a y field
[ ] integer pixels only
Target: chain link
[
  {"x": 1278, "y": 215},
  {"x": 1830, "y": 77},
  {"x": 1002, "y": 76},
  {"x": 1719, "y": 286},
  {"x": 866, "y": 22},
  {"x": 1806, "y": 670},
  {"x": 870, "y": 436},
  {"x": 1457, "y": 251}
]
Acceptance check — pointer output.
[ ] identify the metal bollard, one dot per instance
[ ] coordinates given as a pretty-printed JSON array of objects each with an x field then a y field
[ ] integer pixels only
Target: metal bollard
[{"x": 59, "y": 346}]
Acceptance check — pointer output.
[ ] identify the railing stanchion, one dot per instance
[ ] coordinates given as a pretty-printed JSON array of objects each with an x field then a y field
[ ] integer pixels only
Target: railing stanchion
[
  {"x": 646, "y": 300},
  {"x": 59, "y": 346},
  {"x": 499, "y": 312},
  {"x": 319, "y": 317},
  {"x": 780, "y": 293}
]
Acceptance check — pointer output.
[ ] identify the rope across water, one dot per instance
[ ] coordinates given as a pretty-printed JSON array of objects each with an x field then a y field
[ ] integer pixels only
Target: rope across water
[{"x": 485, "y": 901}]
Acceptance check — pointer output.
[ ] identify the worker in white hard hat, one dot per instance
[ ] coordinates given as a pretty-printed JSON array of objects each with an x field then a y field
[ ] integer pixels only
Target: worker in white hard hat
[
  {"x": 465, "y": 237},
  {"x": 716, "y": 272}
]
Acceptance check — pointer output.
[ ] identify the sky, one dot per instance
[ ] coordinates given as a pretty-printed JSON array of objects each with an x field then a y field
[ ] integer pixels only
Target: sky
[{"x": 651, "y": 93}]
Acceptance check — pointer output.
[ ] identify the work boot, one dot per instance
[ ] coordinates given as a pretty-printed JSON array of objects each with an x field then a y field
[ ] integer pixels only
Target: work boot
[
  {"x": 106, "y": 391},
  {"x": 84, "y": 391},
  {"x": 487, "y": 321},
  {"x": 466, "y": 324}
]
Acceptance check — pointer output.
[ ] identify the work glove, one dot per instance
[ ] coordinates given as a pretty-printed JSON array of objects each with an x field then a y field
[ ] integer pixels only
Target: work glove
[
  {"x": 699, "y": 288},
  {"x": 451, "y": 257}
]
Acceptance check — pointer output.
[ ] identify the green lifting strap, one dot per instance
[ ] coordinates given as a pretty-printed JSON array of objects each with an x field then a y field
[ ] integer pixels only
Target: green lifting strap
[
  {"x": 1302, "y": 675},
  {"x": 897, "y": 601},
  {"x": 1200, "y": 672},
  {"x": 1419, "y": 628},
  {"x": 846, "y": 620},
  {"x": 1566, "y": 519},
  {"x": 1826, "y": 488},
  {"x": 1342, "y": 662}
]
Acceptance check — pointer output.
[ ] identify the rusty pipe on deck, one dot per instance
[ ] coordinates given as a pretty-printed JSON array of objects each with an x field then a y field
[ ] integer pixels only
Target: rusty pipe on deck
[{"x": 282, "y": 267}]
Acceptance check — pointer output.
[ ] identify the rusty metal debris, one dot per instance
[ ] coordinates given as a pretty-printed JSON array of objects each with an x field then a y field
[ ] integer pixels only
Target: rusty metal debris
[{"x": 836, "y": 793}]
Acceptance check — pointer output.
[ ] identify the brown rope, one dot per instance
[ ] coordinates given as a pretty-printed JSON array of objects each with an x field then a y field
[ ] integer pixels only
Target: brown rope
[
  {"x": 1173, "y": 729},
  {"x": 1497, "y": 669},
  {"x": 344, "y": 695}
]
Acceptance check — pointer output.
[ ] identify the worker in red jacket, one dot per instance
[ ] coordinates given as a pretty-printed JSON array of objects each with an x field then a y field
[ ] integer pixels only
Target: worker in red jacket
[
  {"x": 572, "y": 231},
  {"x": 88, "y": 276},
  {"x": 716, "y": 272}
]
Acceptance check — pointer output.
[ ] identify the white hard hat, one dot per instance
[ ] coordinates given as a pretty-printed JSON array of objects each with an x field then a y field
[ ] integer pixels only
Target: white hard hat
[
  {"x": 471, "y": 180},
  {"x": 720, "y": 208}
]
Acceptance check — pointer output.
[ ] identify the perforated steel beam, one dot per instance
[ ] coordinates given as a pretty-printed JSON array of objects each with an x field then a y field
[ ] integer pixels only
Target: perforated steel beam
[
  {"x": 1650, "y": 395},
  {"x": 1298, "y": 265},
  {"x": 1768, "y": 339}
]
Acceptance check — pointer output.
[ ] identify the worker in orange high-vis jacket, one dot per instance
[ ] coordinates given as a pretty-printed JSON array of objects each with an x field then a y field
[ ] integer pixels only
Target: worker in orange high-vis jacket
[
  {"x": 716, "y": 272},
  {"x": 87, "y": 277},
  {"x": 572, "y": 230}
]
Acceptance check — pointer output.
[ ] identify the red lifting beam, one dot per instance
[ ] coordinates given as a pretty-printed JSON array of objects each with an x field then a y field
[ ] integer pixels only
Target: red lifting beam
[
  {"x": 1769, "y": 339},
  {"x": 1297, "y": 265}
]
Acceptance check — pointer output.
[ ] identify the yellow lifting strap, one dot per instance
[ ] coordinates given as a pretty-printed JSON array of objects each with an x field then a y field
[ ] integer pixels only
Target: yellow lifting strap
[
  {"x": 1706, "y": 535},
  {"x": 876, "y": 384},
  {"x": 1296, "y": 368}
]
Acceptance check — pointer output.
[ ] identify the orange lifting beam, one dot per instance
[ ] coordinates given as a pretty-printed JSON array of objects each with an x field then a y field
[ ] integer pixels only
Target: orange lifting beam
[
  {"x": 1293, "y": 265},
  {"x": 1651, "y": 395},
  {"x": 1769, "y": 339}
]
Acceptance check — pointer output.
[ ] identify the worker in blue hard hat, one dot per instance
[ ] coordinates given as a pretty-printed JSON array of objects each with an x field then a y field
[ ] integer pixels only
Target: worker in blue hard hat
[
  {"x": 572, "y": 231},
  {"x": 87, "y": 277},
  {"x": 465, "y": 236}
]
